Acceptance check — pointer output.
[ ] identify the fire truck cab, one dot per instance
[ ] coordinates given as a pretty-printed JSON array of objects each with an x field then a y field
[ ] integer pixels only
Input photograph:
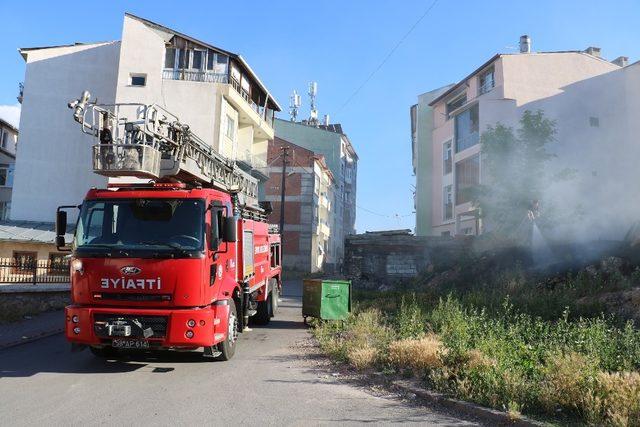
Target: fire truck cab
[{"x": 168, "y": 266}]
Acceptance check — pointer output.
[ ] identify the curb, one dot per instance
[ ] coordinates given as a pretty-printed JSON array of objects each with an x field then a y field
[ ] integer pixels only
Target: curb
[
  {"x": 492, "y": 416},
  {"x": 26, "y": 340}
]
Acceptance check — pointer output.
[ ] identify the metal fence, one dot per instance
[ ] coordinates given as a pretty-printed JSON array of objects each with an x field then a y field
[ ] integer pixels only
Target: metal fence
[{"x": 21, "y": 270}]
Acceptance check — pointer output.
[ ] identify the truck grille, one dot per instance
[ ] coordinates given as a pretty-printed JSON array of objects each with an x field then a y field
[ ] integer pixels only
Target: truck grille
[
  {"x": 157, "y": 323},
  {"x": 134, "y": 297}
]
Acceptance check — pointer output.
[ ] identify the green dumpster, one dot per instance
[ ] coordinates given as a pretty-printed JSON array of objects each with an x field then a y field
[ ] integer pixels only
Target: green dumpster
[{"x": 326, "y": 299}]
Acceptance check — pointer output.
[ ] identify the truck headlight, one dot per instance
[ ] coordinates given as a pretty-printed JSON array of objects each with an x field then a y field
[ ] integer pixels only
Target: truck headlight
[
  {"x": 76, "y": 330},
  {"x": 76, "y": 265}
]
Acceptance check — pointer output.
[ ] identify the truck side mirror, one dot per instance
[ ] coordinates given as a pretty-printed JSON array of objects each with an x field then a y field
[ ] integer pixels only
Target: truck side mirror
[
  {"x": 229, "y": 233},
  {"x": 61, "y": 223},
  {"x": 61, "y": 227}
]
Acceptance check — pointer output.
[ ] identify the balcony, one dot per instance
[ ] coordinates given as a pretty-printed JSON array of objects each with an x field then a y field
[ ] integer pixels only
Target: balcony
[
  {"x": 251, "y": 160},
  {"x": 256, "y": 115}
]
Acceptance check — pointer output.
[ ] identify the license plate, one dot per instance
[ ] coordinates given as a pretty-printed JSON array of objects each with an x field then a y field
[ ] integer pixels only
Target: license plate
[{"x": 129, "y": 343}]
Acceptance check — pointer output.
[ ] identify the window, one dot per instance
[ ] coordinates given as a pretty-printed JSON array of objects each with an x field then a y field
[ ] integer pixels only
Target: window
[
  {"x": 58, "y": 263},
  {"x": 197, "y": 59},
  {"x": 467, "y": 128},
  {"x": 231, "y": 128},
  {"x": 4, "y": 137},
  {"x": 447, "y": 158},
  {"x": 467, "y": 231},
  {"x": 594, "y": 122},
  {"x": 275, "y": 255},
  {"x": 183, "y": 58},
  {"x": 447, "y": 201},
  {"x": 24, "y": 262},
  {"x": 4, "y": 175},
  {"x": 486, "y": 81},
  {"x": 138, "y": 79},
  {"x": 169, "y": 226},
  {"x": 5, "y": 210},
  {"x": 455, "y": 104},
  {"x": 217, "y": 63},
  {"x": 446, "y": 233},
  {"x": 170, "y": 58},
  {"x": 467, "y": 178}
]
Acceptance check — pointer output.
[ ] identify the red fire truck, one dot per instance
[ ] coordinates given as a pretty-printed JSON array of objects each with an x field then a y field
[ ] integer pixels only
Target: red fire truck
[{"x": 182, "y": 260}]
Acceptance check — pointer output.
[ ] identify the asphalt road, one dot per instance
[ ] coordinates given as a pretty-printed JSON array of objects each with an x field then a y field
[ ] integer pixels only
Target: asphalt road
[{"x": 270, "y": 381}]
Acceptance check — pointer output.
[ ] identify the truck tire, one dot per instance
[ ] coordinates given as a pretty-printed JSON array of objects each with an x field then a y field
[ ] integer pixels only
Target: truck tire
[
  {"x": 227, "y": 348},
  {"x": 265, "y": 311}
]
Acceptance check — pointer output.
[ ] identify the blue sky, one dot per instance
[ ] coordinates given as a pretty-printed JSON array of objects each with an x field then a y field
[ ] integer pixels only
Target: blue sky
[{"x": 338, "y": 44}]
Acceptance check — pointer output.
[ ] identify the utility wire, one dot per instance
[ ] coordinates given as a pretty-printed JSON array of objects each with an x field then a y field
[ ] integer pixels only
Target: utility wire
[{"x": 391, "y": 52}]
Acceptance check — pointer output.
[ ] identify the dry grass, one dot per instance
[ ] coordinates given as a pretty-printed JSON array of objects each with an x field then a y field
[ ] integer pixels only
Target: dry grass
[
  {"x": 363, "y": 357},
  {"x": 616, "y": 400},
  {"x": 418, "y": 354},
  {"x": 568, "y": 380}
]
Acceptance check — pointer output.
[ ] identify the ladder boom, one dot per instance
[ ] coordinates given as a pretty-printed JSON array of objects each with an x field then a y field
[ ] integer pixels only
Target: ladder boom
[{"x": 147, "y": 141}]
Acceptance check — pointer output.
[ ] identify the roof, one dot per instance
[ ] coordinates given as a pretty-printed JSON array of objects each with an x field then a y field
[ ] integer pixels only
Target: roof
[
  {"x": 235, "y": 56},
  {"x": 29, "y": 232},
  {"x": 496, "y": 56},
  {"x": 24, "y": 50},
  {"x": 336, "y": 127},
  {"x": 323, "y": 128},
  {"x": 9, "y": 125}
]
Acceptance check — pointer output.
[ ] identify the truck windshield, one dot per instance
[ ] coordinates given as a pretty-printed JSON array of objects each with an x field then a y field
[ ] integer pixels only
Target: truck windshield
[{"x": 158, "y": 225}]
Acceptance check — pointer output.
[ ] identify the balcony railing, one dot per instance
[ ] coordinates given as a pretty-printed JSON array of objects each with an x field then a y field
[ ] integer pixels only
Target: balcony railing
[
  {"x": 195, "y": 76},
  {"x": 252, "y": 160}
]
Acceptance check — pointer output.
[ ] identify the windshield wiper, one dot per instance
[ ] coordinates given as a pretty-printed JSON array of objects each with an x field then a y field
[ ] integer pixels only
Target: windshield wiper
[
  {"x": 121, "y": 252},
  {"x": 173, "y": 246}
]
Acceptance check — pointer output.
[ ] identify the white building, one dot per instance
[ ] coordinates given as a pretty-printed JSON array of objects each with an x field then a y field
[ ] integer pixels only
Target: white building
[
  {"x": 211, "y": 89},
  {"x": 595, "y": 104},
  {"x": 8, "y": 144}
]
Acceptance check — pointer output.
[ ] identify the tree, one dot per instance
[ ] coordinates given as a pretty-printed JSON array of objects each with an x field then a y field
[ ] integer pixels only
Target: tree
[{"x": 515, "y": 174}]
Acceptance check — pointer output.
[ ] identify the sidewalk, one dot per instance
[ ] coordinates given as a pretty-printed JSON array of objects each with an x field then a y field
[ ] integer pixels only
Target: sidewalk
[{"x": 37, "y": 326}]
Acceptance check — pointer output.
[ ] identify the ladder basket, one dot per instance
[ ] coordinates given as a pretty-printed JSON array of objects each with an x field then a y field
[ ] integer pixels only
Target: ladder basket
[{"x": 139, "y": 160}]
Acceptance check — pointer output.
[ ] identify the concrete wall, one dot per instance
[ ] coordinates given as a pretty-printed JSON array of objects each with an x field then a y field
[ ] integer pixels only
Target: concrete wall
[
  {"x": 54, "y": 165},
  {"x": 42, "y": 249},
  {"x": 17, "y": 301},
  {"x": 386, "y": 259}
]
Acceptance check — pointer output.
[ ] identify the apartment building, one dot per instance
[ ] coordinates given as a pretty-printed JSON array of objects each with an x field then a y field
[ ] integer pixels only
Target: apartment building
[
  {"x": 213, "y": 90},
  {"x": 309, "y": 185},
  {"x": 8, "y": 145},
  {"x": 591, "y": 99},
  {"x": 330, "y": 141}
]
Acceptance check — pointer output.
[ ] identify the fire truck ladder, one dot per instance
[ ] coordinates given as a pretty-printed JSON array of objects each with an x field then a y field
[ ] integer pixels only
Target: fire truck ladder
[{"x": 156, "y": 145}]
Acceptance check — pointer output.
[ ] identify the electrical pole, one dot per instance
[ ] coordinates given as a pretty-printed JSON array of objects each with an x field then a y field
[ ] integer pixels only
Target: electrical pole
[{"x": 285, "y": 153}]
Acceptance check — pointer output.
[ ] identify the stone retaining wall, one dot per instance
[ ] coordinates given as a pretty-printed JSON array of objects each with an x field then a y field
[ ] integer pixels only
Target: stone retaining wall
[
  {"x": 384, "y": 259},
  {"x": 17, "y": 301}
]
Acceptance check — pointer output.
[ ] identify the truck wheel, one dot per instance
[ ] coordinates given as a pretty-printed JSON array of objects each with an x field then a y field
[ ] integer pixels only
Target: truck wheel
[
  {"x": 103, "y": 352},
  {"x": 227, "y": 348},
  {"x": 265, "y": 311}
]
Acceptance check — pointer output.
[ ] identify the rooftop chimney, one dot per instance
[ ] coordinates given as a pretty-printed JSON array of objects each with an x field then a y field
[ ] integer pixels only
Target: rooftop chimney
[
  {"x": 621, "y": 61},
  {"x": 525, "y": 44},
  {"x": 326, "y": 120},
  {"x": 593, "y": 51}
]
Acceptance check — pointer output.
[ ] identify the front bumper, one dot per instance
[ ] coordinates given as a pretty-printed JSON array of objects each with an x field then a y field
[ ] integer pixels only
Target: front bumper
[{"x": 86, "y": 325}]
